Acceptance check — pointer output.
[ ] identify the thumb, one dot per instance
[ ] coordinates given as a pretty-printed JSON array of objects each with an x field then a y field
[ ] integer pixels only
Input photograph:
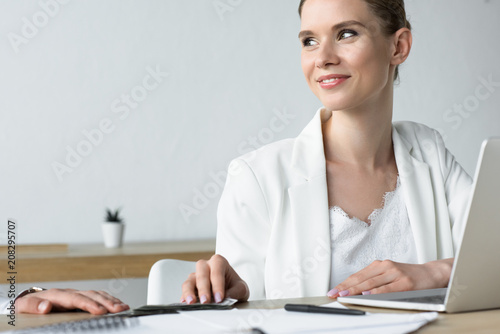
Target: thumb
[
  {"x": 238, "y": 291},
  {"x": 32, "y": 304}
]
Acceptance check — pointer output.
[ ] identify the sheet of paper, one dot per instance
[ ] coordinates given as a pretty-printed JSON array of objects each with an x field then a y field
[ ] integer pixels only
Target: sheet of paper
[
  {"x": 281, "y": 321},
  {"x": 176, "y": 323},
  {"x": 270, "y": 321}
]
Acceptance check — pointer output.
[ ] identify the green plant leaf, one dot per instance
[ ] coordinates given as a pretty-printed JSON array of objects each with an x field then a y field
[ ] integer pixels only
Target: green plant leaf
[{"x": 113, "y": 216}]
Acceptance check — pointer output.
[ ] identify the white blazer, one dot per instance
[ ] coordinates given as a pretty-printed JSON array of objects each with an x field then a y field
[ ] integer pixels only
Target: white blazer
[{"x": 273, "y": 216}]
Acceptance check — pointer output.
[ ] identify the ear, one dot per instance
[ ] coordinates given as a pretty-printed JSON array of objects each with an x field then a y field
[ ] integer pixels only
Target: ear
[{"x": 402, "y": 46}]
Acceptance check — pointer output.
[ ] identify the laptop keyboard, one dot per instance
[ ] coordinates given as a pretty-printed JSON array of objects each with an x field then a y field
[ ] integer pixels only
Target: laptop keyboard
[{"x": 424, "y": 300}]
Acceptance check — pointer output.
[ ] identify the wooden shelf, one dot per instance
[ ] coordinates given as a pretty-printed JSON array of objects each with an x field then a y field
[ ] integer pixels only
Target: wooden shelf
[{"x": 94, "y": 261}]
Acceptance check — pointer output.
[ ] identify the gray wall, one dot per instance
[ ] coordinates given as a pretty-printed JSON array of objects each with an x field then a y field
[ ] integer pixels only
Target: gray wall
[{"x": 169, "y": 91}]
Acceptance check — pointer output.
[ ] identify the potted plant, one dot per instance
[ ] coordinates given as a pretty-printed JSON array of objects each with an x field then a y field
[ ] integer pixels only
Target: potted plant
[{"x": 112, "y": 229}]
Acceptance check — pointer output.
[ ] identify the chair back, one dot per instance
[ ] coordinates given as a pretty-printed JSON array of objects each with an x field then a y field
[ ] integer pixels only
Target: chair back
[{"x": 165, "y": 280}]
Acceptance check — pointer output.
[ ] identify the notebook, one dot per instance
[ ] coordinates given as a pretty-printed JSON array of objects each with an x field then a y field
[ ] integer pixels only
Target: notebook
[{"x": 475, "y": 277}]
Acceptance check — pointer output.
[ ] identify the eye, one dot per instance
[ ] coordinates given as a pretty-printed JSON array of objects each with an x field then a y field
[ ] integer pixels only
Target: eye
[
  {"x": 346, "y": 33},
  {"x": 308, "y": 42}
]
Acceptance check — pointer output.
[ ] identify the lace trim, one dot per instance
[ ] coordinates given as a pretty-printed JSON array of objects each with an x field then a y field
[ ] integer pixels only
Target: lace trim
[
  {"x": 354, "y": 245},
  {"x": 387, "y": 198}
]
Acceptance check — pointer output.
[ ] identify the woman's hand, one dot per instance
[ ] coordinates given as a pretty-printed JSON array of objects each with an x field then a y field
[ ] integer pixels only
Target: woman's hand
[
  {"x": 213, "y": 280},
  {"x": 95, "y": 302},
  {"x": 388, "y": 276}
]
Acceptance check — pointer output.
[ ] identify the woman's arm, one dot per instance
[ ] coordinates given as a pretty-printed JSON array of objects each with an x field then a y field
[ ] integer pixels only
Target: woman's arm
[
  {"x": 458, "y": 187},
  {"x": 389, "y": 276},
  {"x": 243, "y": 230}
]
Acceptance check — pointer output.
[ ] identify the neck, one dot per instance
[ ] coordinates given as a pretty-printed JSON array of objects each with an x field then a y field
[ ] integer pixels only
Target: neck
[{"x": 360, "y": 137}]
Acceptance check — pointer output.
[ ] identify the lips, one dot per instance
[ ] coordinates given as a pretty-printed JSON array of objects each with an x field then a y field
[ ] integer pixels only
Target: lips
[{"x": 332, "y": 80}]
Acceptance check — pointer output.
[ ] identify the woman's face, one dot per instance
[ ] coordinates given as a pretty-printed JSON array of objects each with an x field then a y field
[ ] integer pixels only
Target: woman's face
[{"x": 346, "y": 58}]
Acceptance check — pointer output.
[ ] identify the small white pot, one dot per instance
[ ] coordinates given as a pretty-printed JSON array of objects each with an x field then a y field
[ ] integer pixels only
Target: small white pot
[{"x": 113, "y": 234}]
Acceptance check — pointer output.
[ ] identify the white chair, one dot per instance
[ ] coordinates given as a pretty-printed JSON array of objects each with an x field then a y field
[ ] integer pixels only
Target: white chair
[{"x": 165, "y": 281}]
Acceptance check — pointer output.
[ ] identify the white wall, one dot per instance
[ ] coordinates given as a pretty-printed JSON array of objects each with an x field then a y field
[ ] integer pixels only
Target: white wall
[{"x": 229, "y": 74}]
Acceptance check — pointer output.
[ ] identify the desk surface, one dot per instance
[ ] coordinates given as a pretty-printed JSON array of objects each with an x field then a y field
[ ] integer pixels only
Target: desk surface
[
  {"x": 98, "y": 250},
  {"x": 94, "y": 261},
  {"x": 471, "y": 322}
]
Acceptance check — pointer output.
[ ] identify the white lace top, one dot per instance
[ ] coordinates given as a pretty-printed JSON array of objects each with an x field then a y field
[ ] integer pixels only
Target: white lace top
[{"x": 356, "y": 244}]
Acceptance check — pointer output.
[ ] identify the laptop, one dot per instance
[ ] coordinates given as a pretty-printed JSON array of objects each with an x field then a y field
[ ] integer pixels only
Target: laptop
[{"x": 475, "y": 277}]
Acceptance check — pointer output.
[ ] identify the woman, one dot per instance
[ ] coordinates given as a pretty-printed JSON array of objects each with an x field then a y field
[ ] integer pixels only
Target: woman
[{"x": 354, "y": 204}]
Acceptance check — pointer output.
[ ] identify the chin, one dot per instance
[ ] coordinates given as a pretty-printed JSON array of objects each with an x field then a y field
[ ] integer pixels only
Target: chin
[
  {"x": 341, "y": 102},
  {"x": 336, "y": 101},
  {"x": 333, "y": 106}
]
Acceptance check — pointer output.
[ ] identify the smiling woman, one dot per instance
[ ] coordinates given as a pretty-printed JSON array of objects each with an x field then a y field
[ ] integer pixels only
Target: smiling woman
[
  {"x": 297, "y": 217},
  {"x": 356, "y": 203}
]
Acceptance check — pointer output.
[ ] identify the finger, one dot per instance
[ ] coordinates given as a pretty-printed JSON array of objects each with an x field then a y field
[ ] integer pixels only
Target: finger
[
  {"x": 33, "y": 304},
  {"x": 189, "y": 289},
  {"x": 239, "y": 291},
  {"x": 397, "y": 277},
  {"x": 376, "y": 268},
  {"x": 109, "y": 297},
  {"x": 70, "y": 300},
  {"x": 103, "y": 297},
  {"x": 370, "y": 284},
  {"x": 111, "y": 303},
  {"x": 203, "y": 284},
  {"x": 219, "y": 272},
  {"x": 238, "y": 288},
  {"x": 396, "y": 286}
]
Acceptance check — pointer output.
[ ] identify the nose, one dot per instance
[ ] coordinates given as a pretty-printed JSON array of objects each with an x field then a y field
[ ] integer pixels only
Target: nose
[{"x": 327, "y": 55}]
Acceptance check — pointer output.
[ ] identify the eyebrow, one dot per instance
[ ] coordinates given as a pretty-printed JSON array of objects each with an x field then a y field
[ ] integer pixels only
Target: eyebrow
[{"x": 338, "y": 26}]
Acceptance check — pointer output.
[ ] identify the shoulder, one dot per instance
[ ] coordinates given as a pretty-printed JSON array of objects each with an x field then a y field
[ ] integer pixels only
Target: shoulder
[
  {"x": 413, "y": 130},
  {"x": 426, "y": 145},
  {"x": 422, "y": 143},
  {"x": 279, "y": 152},
  {"x": 266, "y": 170},
  {"x": 421, "y": 139}
]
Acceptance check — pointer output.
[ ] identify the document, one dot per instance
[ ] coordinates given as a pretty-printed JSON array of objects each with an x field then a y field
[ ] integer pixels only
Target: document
[
  {"x": 275, "y": 321},
  {"x": 280, "y": 321}
]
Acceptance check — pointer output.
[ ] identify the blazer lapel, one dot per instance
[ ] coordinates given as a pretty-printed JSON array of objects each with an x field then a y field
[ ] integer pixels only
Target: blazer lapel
[
  {"x": 309, "y": 210},
  {"x": 415, "y": 181}
]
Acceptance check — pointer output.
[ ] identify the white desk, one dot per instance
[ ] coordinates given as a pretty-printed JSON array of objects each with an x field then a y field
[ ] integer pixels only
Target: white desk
[{"x": 466, "y": 323}]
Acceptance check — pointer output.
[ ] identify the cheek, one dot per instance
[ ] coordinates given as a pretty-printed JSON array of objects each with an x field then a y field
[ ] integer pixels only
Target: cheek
[
  {"x": 372, "y": 64},
  {"x": 306, "y": 60},
  {"x": 307, "y": 63},
  {"x": 380, "y": 69}
]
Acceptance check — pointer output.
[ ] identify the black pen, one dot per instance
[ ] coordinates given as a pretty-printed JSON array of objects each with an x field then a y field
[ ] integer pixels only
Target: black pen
[{"x": 321, "y": 309}]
